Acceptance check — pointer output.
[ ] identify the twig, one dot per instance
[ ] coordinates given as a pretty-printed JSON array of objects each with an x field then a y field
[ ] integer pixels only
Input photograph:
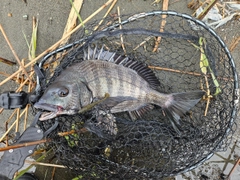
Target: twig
[
  {"x": 14, "y": 53},
  {"x": 90, "y": 106},
  {"x": 53, "y": 173},
  {"x": 142, "y": 43},
  {"x": 120, "y": 27},
  {"x": 54, "y": 46},
  {"x": 195, "y": 4},
  {"x": 207, "y": 9},
  {"x": 163, "y": 23},
  {"x": 18, "y": 110},
  {"x": 228, "y": 159},
  {"x": 234, "y": 44},
  {"x": 67, "y": 133},
  {"x": 26, "y": 117},
  {"x": 8, "y": 62},
  {"x": 11, "y": 116},
  {"x": 24, "y": 82},
  {"x": 8, "y": 129},
  {"x": 233, "y": 168},
  {"x": 82, "y": 130},
  {"x": 208, "y": 95},
  {"x": 108, "y": 11},
  {"x": 44, "y": 164},
  {"x": 29, "y": 167},
  {"x": 187, "y": 72},
  {"x": 23, "y": 145},
  {"x": 14, "y": 78},
  {"x": 17, "y": 120}
]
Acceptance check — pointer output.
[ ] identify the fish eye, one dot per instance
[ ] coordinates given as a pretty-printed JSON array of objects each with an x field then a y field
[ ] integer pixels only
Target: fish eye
[{"x": 63, "y": 92}]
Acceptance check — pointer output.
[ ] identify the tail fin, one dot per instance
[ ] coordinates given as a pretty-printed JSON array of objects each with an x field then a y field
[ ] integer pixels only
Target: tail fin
[{"x": 179, "y": 104}]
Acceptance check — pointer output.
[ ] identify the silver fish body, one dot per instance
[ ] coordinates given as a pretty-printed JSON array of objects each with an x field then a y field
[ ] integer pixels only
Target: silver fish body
[{"x": 128, "y": 87}]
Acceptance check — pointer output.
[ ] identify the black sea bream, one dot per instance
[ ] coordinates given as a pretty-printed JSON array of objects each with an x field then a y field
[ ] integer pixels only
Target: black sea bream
[{"x": 130, "y": 84}]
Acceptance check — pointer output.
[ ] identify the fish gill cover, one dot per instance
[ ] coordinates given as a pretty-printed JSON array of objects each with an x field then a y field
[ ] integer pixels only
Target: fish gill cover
[{"x": 185, "y": 56}]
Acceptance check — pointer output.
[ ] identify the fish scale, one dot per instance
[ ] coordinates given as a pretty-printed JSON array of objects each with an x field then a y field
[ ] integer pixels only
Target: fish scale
[{"x": 99, "y": 73}]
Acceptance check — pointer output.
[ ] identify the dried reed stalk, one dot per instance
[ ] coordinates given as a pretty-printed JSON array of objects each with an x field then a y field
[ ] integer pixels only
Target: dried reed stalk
[
  {"x": 6, "y": 123},
  {"x": 5, "y": 134},
  {"x": 108, "y": 11},
  {"x": 233, "y": 168},
  {"x": 207, "y": 9},
  {"x": 44, "y": 164},
  {"x": 23, "y": 145},
  {"x": 234, "y": 44},
  {"x": 53, "y": 173},
  {"x": 8, "y": 62},
  {"x": 186, "y": 72},
  {"x": 70, "y": 25},
  {"x": 120, "y": 27},
  {"x": 11, "y": 116},
  {"x": 163, "y": 23},
  {"x": 16, "y": 79},
  {"x": 15, "y": 54},
  {"x": 82, "y": 130},
  {"x": 72, "y": 19},
  {"x": 208, "y": 96}
]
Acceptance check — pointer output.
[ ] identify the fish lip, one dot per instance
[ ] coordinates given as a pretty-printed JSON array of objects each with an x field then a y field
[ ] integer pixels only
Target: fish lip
[
  {"x": 47, "y": 115},
  {"x": 45, "y": 106},
  {"x": 52, "y": 114},
  {"x": 53, "y": 111}
]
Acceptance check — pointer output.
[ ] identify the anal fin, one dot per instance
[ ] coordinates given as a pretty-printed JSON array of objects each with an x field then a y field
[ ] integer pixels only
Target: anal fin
[{"x": 140, "y": 112}]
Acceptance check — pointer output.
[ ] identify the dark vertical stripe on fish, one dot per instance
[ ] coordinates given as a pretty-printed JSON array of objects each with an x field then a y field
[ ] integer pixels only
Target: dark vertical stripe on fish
[
  {"x": 133, "y": 82},
  {"x": 108, "y": 79}
]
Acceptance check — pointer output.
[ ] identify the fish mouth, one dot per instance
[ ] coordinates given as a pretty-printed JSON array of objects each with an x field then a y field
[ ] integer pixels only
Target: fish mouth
[
  {"x": 53, "y": 111},
  {"x": 45, "y": 106}
]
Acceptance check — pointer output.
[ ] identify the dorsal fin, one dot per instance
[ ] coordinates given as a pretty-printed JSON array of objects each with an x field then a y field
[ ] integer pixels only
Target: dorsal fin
[{"x": 142, "y": 69}]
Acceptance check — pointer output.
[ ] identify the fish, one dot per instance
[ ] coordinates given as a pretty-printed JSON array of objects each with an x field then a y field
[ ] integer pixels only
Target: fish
[{"x": 131, "y": 85}]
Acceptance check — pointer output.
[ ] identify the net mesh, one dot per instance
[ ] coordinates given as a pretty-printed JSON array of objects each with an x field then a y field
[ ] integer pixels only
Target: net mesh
[{"x": 149, "y": 147}]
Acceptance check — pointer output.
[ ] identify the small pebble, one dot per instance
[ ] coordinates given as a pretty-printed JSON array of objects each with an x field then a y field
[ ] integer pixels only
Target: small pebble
[
  {"x": 25, "y": 17},
  {"x": 9, "y": 14}
]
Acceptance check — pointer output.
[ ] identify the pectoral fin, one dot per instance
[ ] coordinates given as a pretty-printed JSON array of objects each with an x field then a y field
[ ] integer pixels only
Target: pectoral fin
[
  {"x": 111, "y": 102},
  {"x": 130, "y": 105}
]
